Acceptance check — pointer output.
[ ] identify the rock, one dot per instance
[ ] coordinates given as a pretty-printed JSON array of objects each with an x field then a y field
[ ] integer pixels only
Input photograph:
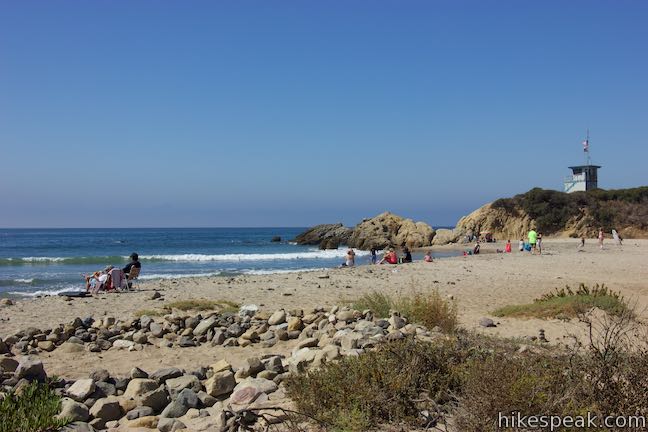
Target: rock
[
  {"x": 8, "y": 364},
  {"x": 7, "y": 302},
  {"x": 444, "y": 236},
  {"x": 221, "y": 383},
  {"x": 170, "y": 425},
  {"x": 206, "y": 399},
  {"x": 345, "y": 315},
  {"x": 244, "y": 396},
  {"x": 140, "y": 338},
  {"x": 156, "y": 295},
  {"x": 123, "y": 344},
  {"x": 486, "y": 322},
  {"x": 138, "y": 386},
  {"x": 176, "y": 385},
  {"x": 274, "y": 364},
  {"x": 252, "y": 367},
  {"x": 46, "y": 346},
  {"x": 162, "y": 375},
  {"x": 235, "y": 330},
  {"x": 294, "y": 323},
  {"x": 138, "y": 373},
  {"x": 81, "y": 389},
  {"x": 106, "y": 388},
  {"x": 396, "y": 322},
  {"x": 307, "y": 343},
  {"x": 100, "y": 375},
  {"x": 73, "y": 410},
  {"x": 31, "y": 369},
  {"x": 277, "y": 318},
  {"x": 389, "y": 230},
  {"x": 220, "y": 365},
  {"x": 325, "y": 232},
  {"x": 275, "y": 239},
  {"x": 106, "y": 409},
  {"x": 157, "y": 329},
  {"x": 142, "y": 411},
  {"x": 186, "y": 399},
  {"x": 77, "y": 426},
  {"x": 205, "y": 325},
  {"x": 261, "y": 384},
  {"x": 147, "y": 422},
  {"x": 248, "y": 310},
  {"x": 186, "y": 341},
  {"x": 155, "y": 399}
]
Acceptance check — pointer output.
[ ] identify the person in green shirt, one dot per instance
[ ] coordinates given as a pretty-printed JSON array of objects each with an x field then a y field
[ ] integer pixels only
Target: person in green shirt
[{"x": 533, "y": 238}]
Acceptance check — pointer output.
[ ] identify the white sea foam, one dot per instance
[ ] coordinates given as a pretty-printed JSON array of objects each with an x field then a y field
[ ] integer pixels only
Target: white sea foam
[
  {"x": 25, "y": 281},
  {"x": 310, "y": 254},
  {"x": 177, "y": 276},
  {"x": 44, "y": 292},
  {"x": 283, "y": 271}
]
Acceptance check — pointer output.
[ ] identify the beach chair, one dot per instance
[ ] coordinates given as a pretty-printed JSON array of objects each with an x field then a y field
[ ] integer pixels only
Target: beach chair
[
  {"x": 132, "y": 277},
  {"x": 117, "y": 280}
]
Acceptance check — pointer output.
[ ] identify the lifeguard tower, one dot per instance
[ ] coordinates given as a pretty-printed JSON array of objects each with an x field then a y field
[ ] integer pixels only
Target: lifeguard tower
[{"x": 584, "y": 177}]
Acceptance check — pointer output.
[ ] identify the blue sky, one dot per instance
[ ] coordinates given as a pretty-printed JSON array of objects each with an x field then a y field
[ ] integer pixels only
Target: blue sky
[{"x": 292, "y": 113}]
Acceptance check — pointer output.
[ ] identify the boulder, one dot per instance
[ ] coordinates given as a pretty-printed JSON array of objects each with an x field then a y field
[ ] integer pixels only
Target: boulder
[
  {"x": 176, "y": 385},
  {"x": 142, "y": 411},
  {"x": 81, "y": 389},
  {"x": 155, "y": 399},
  {"x": 260, "y": 384},
  {"x": 31, "y": 369},
  {"x": 161, "y": 375},
  {"x": 221, "y": 383},
  {"x": 106, "y": 409},
  {"x": 138, "y": 386},
  {"x": 205, "y": 325},
  {"x": 277, "y": 318},
  {"x": 8, "y": 364},
  {"x": 186, "y": 399},
  {"x": 387, "y": 230},
  {"x": 170, "y": 425},
  {"x": 325, "y": 232},
  {"x": 73, "y": 410}
]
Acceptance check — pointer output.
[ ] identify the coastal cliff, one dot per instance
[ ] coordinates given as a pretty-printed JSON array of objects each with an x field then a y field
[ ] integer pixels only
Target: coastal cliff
[{"x": 560, "y": 214}]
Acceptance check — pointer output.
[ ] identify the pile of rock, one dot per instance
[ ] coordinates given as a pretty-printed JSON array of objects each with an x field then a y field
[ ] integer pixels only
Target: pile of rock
[{"x": 210, "y": 397}]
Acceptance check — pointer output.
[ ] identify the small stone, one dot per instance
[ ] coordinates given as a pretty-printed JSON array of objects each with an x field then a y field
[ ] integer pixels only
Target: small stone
[
  {"x": 31, "y": 369},
  {"x": 248, "y": 310},
  {"x": 176, "y": 385},
  {"x": 106, "y": 409},
  {"x": 221, "y": 383},
  {"x": 148, "y": 422},
  {"x": 295, "y": 323},
  {"x": 156, "y": 399},
  {"x": 186, "y": 399},
  {"x": 307, "y": 343},
  {"x": 277, "y": 318},
  {"x": 170, "y": 425},
  {"x": 100, "y": 375},
  {"x": 46, "y": 346},
  {"x": 186, "y": 341},
  {"x": 142, "y": 411},
  {"x": 74, "y": 411},
  {"x": 138, "y": 373},
  {"x": 139, "y": 386},
  {"x": 161, "y": 375},
  {"x": 221, "y": 365},
  {"x": 486, "y": 322}
]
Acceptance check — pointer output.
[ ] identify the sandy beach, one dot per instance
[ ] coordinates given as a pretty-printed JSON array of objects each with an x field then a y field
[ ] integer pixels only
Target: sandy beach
[{"x": 479, "y": 285}]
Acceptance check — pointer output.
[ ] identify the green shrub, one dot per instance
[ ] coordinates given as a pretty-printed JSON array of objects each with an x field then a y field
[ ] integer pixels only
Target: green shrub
[
  {"x": 428, "y": 309},
  {"x": 203, "y": 305},
  {"x": 32, "y": 410},
  {"x": 569, "y": 303}
]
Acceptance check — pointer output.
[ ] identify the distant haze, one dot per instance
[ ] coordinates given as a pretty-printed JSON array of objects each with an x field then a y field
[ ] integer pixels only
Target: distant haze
[{"x": 200, "y": 113}]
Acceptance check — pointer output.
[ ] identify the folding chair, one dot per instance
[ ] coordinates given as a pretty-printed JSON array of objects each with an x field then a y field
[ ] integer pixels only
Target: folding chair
[{"x": 132, "y": 277}]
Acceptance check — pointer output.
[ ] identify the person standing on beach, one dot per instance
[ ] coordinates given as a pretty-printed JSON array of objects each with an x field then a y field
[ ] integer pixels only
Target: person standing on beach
[
  {"x": 601, "y": 236},
  {"x": 507, "y": 248},
  {"x": 521, "y": 245},
  {"x": 374, "y": 257},
  {"x": 582, "y": 244},
  {"x": 533, "y": 238},
  {"x": 539, "y": 243}
]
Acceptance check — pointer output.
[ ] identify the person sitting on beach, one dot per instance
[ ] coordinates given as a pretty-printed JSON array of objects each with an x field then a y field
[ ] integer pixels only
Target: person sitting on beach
[
  {"x": 476, "y": 249},
  {"x": 390, "y": 257},
  {"x": 407, "y": 256},
  {"x": 507, "y": 248},
  {"x": 98, "y": 278},
  {"x": 133, "y": 263},
  {"x": 428, "y": 257},
  {"x": 350, "y": 258}
]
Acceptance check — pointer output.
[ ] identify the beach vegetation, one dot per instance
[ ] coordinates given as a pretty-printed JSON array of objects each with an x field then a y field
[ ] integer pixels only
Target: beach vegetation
[
  {"x": 203, "y": 305},
  {"x": 552, "y": 210},
  {"x": 150, "y": 312},
  {"x": 470, "y": 380},
  {"x": 569, "y": 303},
  {"x": 429, "y": 309},
  {"x": 30, "y": 409}
]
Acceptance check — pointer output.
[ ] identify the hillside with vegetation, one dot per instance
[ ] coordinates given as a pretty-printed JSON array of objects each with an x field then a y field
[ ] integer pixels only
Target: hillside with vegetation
[{"x": 561, "y": 214}]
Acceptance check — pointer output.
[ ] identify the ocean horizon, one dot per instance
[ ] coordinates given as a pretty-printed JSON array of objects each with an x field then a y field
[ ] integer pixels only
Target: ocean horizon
[{"x": 47, "y": 261}]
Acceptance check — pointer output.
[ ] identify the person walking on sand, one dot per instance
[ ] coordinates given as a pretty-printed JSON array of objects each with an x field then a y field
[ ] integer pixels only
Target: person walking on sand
[
  {"x": 507, "y": 248},
  {"x": 539, "y": 243},
  {"x": 374, "y": 256},
  {"x": 582, "y": 243},
  {"x": 601, "y": 236},
  {"x": 533, "y": 238}
]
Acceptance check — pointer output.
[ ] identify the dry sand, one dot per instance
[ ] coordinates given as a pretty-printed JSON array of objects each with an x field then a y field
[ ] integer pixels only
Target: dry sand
[{"x": 479, "y": 284}]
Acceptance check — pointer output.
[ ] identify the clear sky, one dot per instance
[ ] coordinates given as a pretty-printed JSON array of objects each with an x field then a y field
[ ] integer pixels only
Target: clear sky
[{"x": 292, "y": 113}]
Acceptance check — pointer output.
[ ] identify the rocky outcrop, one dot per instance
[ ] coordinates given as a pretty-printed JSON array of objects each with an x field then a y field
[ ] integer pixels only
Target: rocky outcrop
[
  {"x": 390, "y": 230},
  {"x": 327, "y": 236},
  {"x": 502, "y": 224},
  {"x": 444, "y": 236}
]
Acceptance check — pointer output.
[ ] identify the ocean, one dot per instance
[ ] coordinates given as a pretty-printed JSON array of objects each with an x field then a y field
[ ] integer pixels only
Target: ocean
[{"x": 37, "y": 262}]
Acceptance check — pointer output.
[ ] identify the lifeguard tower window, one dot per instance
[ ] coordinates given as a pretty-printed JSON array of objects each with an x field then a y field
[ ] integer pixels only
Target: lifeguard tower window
[{"x": 583, "y": 178}]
